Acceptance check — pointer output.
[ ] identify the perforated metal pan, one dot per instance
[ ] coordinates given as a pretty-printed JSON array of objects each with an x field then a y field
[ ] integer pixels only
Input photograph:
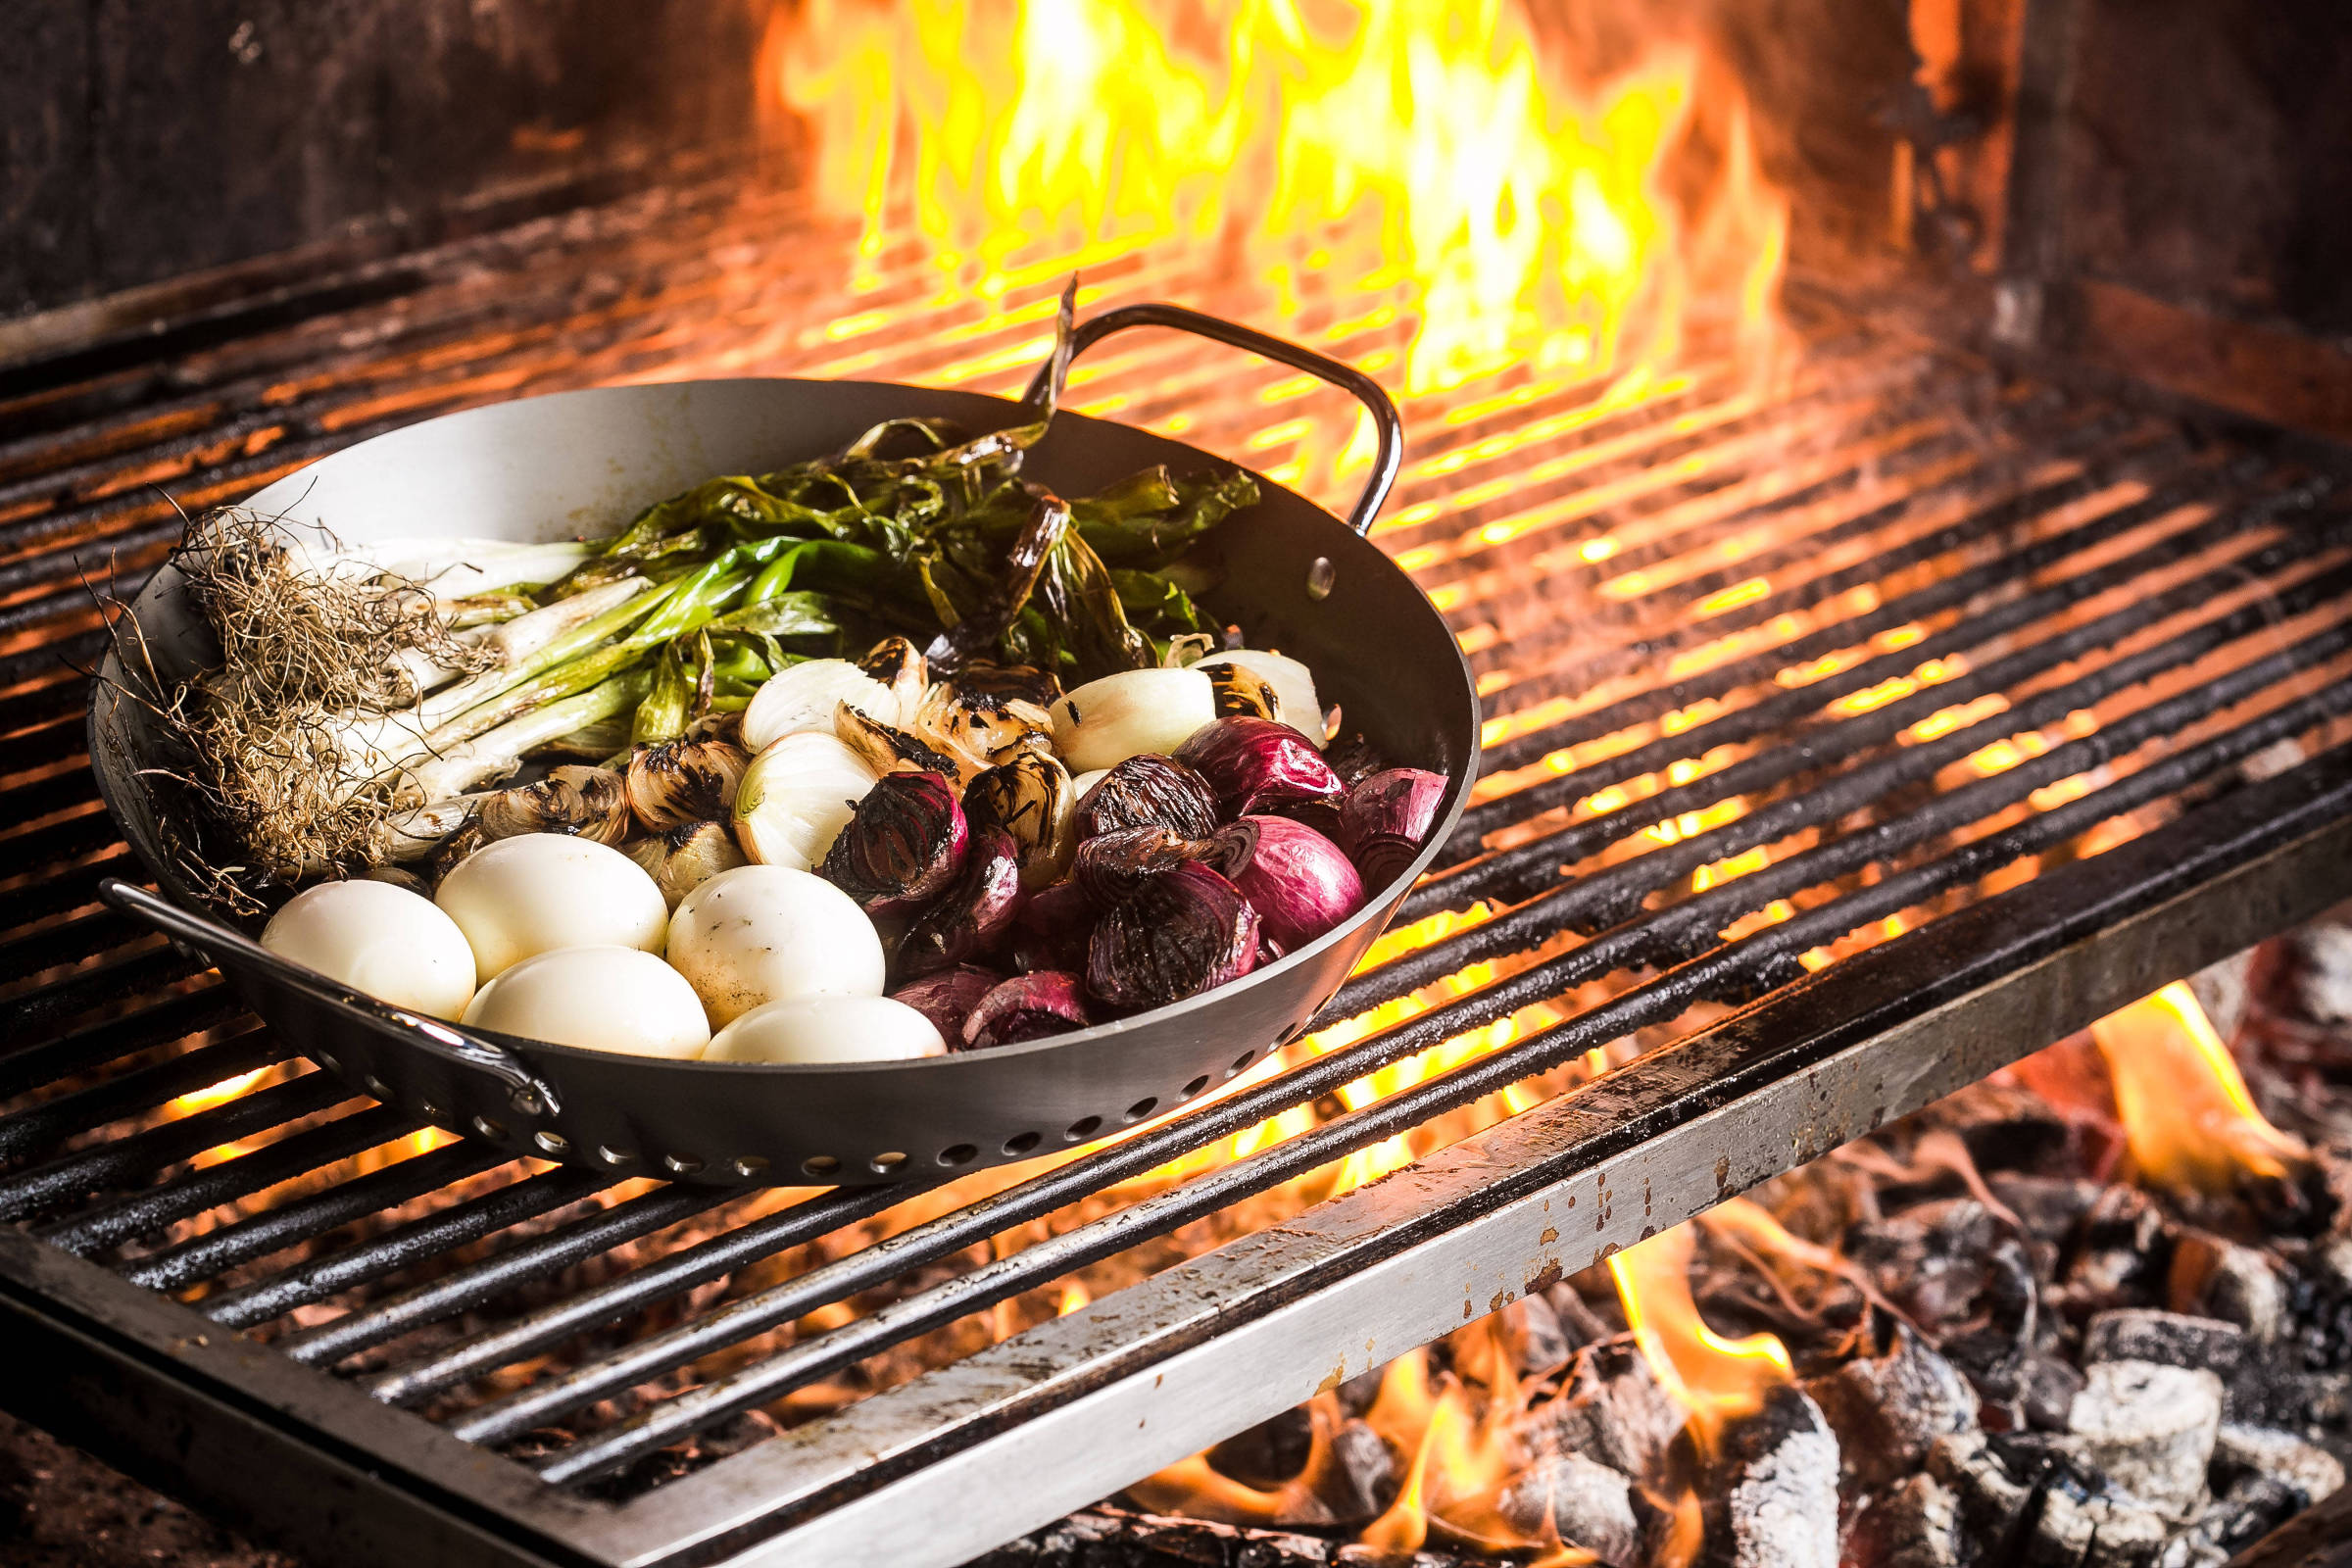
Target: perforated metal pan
[{"x": 580, "y": 463}]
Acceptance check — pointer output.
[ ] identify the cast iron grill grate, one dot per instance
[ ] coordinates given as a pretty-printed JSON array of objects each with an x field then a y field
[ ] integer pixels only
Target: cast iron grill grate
[{"x": 1776, "y": 672}]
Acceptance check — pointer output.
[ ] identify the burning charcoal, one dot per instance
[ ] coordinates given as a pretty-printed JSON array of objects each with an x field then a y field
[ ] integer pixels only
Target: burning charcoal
[
  {"x": 2043, "y": 1506},
  {"x": 1531, "y": 1332},
  {"x": 2150, "y": 1429},
  {"x": 1589, "y": 1504},
  {"x": 2049, "y": 1206},
  {"x": 2122, "y": 1237},
  {"x": 1889, "y": 1408},
  {"x": 1582, "y": 1326},
  {"x": 2169, "y": 1339},
  {"x": 2004, "y": 1126},
  {"x": 2222, "y": 990},
  {"x": 2222, "y": 1280},
  {"x": 1270, "y": 1452},
  {"x": 1358, "y": 1479},
  {"x": 1940, "y": 1262},
  {"x": 1915, "y": 1525},
  {"x": 2251, "y": 1508},
  {"x": 2281, "y": 1456},
  {"x": 1610, "y": 1408},
  {"x": 1772, "y": 1500},
  {"x": 1357, "y": 1394},
  {"x": 2045, "y": 1391}
]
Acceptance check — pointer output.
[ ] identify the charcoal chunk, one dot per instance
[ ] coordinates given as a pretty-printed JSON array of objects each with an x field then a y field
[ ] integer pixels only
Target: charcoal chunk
[
  {"x": 1611, "y": 1408},
  {"x": 1588, "y": 1505},
  {"x": 2043, "y": 1505},
  {"x": 2220, "y": 1279},
  {"x": 2169, "y": 1339},
  {"x": 1358, "y": 1479},
  {"x": 2045, "y": 1391},
  {"x": 2239, "y": 1451},
  {"x": 1889, "y": 1408},
  {"x": 1773, "y": 1499},
  {"x": 1916, "y": 1525},
  {"x": 2149, "y": 1429},
  {"x": 2050, "y": 1207}
]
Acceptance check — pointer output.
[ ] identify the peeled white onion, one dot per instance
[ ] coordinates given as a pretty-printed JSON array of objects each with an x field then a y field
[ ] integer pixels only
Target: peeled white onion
[
  {"x": 797, "y": 794},
  {"x": 822, "y": 1029},
  {"x": 763, "y": 933},
  {"x": 1292, "y": 682},
  {"x": 392, "y": 943},
  {"x": 803, "y": 697},
  {"x": 600, "y": 999},
  {"x": 537, "y": 892},
  {"x": 1105, "y": 722}
]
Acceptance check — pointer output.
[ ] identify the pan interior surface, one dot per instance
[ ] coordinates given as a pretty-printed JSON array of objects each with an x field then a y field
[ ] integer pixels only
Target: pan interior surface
[{"x": 580, "y": 464}]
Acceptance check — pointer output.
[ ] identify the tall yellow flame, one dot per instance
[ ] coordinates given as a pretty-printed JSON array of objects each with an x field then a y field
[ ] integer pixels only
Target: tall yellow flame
[
  {"x": 2187, "y": 1116},
  {"x": 1716, "y": 1379}
]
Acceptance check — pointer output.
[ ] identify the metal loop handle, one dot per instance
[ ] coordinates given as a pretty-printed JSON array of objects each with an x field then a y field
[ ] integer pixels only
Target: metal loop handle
[
  {"x": 527, "y": 1091},
  {"x": 1387, "y": 423}
]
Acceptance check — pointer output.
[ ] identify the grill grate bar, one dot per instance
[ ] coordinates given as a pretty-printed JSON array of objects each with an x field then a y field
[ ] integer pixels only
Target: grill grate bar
[
  {"x": 413, "y": 1243},
  {"x": 1525, "y": 868},
  {"x": 52, "y": 1121},
  {"x": 298, "y": 1154},
  {"x": 1654, "y": 1002},
  {"x": 1674, "y": 933},
  {"x": 174, "y": 1017},
  {"x": 307, "y": 1218}
]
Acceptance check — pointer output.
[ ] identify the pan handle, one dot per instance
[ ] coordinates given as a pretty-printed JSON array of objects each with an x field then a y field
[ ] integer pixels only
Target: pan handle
[
  {"x": 528, "y": 1093},
  {"x": 1385, "y": 420}
]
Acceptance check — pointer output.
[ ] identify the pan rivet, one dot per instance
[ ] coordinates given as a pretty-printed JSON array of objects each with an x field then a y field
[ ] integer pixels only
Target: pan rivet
[
  {"x": 492, "y": 1130},
  {"x": 747, "y": 1164},
  {"x": 959, "y": 1154},
  {"x": 1023, "y": 1143},
  {"x": 1143, "y": 1108},
  {"x": 616, "y": 1156},
  {"x": 1321, "y": 577},
  {"x": 683, "y": 1164},
  {"x": 376, "y": 1087},
  {"x": 432, "y": 1112},
  {"x": 1196, "y": 1086},
  {"x": 552, "y": 1142},
  {"x": 819, "y": 1166},
  {"x": 884, "y": 1164},
  {"x": 1083, "y": 1127}
]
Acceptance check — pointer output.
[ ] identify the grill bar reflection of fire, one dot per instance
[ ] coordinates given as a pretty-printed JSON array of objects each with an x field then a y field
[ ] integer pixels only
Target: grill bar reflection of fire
[{"x": 2188, "y": 1117}]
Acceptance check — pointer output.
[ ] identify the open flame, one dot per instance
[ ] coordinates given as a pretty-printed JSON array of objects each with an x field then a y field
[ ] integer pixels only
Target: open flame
[
  {"x": 1520, "y": 213},
  {"x": 2188, "y": 1120},
  {"x": 1717, "y": 1380}
]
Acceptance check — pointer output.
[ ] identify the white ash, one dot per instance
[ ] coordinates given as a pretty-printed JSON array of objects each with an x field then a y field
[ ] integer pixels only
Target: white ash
[
  {"x": 2149, "y": 1429},
  {"x": 1889, "y": 1409},
  {"x": 2324, "y": 978},
  {"x": 1611, "y": 1408},
  {"x": 1588, "y": 1505},
  {"x": 2075, "y": 1524},
  {"x": 2170, "y": 1339},
  {"x": 1778, "y": 1476},
  {"x": 2280, "y": 1457},
  {"x": 2220, "y": 1279}
]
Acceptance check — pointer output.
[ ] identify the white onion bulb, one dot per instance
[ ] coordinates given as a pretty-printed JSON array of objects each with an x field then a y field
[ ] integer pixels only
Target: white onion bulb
[
  {"x": 803, "y": 697},
  {"x": 797, "y": 796},
  {"x": 762, "y": 933},
  {"x": 1292, "y": 682},
  {"x": 1105, "y": 722}
]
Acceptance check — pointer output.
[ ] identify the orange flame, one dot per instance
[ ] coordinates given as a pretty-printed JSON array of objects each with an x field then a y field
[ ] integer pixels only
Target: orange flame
[
  {"x": 1431, "y": 148},
  {"x": 2188, "y": 1117},
  {"x": 205, "y": 1098},
  {"x": 1715, "y": 1379}
]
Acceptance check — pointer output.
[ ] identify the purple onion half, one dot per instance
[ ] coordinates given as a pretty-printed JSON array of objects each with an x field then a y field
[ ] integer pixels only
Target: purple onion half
[
  {"x": 948, "y": 997},
  {"x": 1052, "y": 930},
  {"x": 975, "y": 913},
  {"x": 1176, "y": 935},
  {"x": 1257, "y": 765},
  {"x": 1110, "y": 865},
  {"x": 902, "y": 846},
  {"x": 1028, "y": 1007},
  {"x": 1386, "y": 818},
  {"x": 1300, "y": 882},
  {"x": 1149, "y": 791}
]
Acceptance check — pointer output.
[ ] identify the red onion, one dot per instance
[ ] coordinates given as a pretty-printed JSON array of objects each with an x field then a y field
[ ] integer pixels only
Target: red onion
[
  {"x": 1028, "y": 1007},
  {"x": 973, "y": 914},
  {"x": 1256, "y": 765},
  {"x": 1300, "y": 882},
  {"x": 1178, "y": 934},
  {"x": 1385, "y": 819},
  {"x": 948, "y": 997},
  {"x": 902, "y": 846},
  {"x": 1110, "y": 865},
  {"x": 1052, "y": 930},
  {"x": 1149, "y": 791}
]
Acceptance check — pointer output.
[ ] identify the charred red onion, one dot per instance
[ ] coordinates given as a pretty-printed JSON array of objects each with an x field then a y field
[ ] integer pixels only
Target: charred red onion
[
  {"x": 903, "y": 845},
  {"x": 1149, "y": 791},
  {"x": 1300, "y": 882},
  {"x": 1028, "y": 1007},
  {"x": 1052, "y": 930},
  {"x": 1110, "y": 865},
  {"x": 1385, "y": 819},
  {"x": 1255, "y": 766},
  {"x": 1175, "y": 935},
  {"x": 948, "y": 997},
  {"x": 973, "y": 914}
]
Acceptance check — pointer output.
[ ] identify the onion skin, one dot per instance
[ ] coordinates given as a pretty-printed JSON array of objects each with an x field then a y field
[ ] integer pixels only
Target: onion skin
[
  {"x": 1180, "y": 933},
  {"x": 591, "y": 802},
  {"x": 1029, "y": 797},
  {"x": 1149, "y": 791},
  {"x": 1386, "y": 818},
  {"x": 902, "y": 846},
  {"x": 681, "y": 782},
  {"x": 1110, "y": 865},
  {"x": 1256, "y": 765},
  {"x": 975, "y": 913},
  {"x": 948, "y": 997},
  {"x": 1052, "y": 928},
  {"x": 1028, "y": 1007},
  {"x": 1301, "y": 883}
]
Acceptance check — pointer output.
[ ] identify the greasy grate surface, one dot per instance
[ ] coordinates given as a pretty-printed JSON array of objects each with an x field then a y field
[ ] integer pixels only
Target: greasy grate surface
[{"x": 1774, "y": 670}]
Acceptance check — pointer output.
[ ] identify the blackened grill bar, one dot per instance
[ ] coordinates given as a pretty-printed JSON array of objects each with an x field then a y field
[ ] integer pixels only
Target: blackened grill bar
[{"x": 1897, "y": 505}]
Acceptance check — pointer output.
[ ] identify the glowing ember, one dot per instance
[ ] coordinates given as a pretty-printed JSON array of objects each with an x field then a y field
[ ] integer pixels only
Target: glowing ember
[
  {"x": 1525, "y": 215},
  {"x": 1717, "y": 1380},
  {"x": 2186, "y": 1114}
]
